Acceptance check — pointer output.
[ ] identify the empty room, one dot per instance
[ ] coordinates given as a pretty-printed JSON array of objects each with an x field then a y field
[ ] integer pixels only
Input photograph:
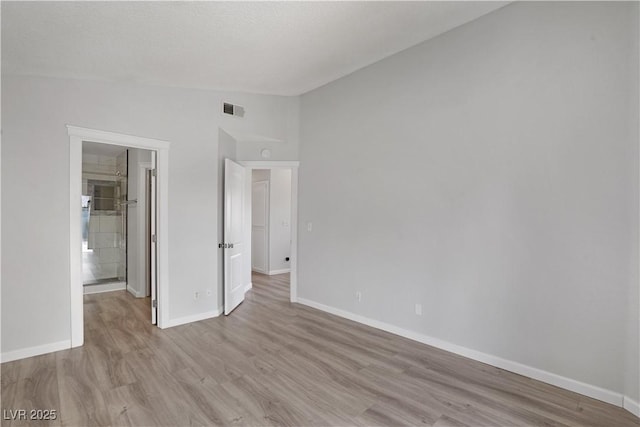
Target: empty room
[{"x": 320, "y": 213}]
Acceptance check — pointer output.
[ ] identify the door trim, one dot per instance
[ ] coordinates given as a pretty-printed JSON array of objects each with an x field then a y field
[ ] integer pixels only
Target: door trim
[
  {"x": 76, "y": 136},
  {"x": 142, "y": 266},
  {"x": 293, "y": 166}
]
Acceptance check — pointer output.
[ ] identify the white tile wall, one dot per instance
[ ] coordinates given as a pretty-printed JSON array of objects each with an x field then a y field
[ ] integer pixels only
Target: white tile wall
[
  {"x": 109, "y": 255},
  {"x": 106, "y": 271},
  {"x": 110, "y": 223},
  {"x": 121, "y": 165},
  {"x": 94, "y": 223},
  {"x": 106, "y": 240}
]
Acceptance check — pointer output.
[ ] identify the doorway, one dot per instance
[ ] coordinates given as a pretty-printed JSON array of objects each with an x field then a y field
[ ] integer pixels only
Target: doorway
[
  {"x": 271, "y": 221},
  {"x": 105, "y": 208},
  {"x": 238, "y": 223},
  {"x": 111, "y": 198},
  {"x": 118, "y": 211}
]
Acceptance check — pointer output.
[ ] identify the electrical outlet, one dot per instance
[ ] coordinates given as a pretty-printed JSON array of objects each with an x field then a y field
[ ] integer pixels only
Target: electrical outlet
[
  {"x": 419, "y": 309},
  {"x": 358, "y": 296},
  {"x": 309, "y": 226},
  {"x": 196, "y": 295},
  {"x": 209, "y": 292}
]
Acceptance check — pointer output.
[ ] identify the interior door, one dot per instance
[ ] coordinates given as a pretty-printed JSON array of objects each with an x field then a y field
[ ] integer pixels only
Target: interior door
[
  {"x": 153, "y": 240},
  {"x": 259, "y": 226},
  {"x": 233, "y": 245}
]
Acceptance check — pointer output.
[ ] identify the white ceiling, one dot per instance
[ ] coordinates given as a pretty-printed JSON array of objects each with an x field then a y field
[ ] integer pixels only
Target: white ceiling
[{"x": 284, "y": 48}]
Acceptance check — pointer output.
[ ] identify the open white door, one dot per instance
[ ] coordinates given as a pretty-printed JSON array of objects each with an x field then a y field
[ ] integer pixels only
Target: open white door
[
  {"x": 233, "y": 245},
  {"x": 153, "y": 240}
]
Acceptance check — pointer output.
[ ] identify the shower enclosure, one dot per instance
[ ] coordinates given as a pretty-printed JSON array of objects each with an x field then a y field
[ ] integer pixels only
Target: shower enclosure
[{"x": 104, "y": 215}]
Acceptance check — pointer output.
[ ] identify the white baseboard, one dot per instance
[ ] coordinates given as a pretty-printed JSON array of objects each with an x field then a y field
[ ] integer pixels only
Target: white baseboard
[
  {"x": 509, "y": 365},
  {"x": 134, "y": 292},
  {"x": 259, "y": 270},
  {"x": 248, "y": 287},
  {"x": 631, "y": 406},
  {"x": 107, "y": 287},
  {"x": 35, "y": 351},
  {"x": 272, "y": 272},
  {"x": 193, "y": 318}
]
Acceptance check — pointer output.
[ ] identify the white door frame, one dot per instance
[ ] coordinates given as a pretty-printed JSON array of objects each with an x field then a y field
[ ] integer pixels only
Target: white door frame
[
  {"x": 142, "y": 266},
  {"x": 293, "y": 166},
  {"x": 77, "y": 135}
]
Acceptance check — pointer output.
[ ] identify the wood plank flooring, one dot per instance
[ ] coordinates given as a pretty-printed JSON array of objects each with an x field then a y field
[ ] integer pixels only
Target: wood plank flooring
[{"x": 275, "y": 363}]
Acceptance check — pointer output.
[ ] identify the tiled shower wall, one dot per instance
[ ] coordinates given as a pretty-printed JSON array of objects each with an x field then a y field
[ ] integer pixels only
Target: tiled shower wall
[
  {"x": 107, "y": 229},
  {"x": 121, "y": 166}
]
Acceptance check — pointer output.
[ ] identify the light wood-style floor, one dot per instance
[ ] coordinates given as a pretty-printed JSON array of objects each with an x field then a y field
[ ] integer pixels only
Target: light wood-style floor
[{"x": 275, "y": 363}]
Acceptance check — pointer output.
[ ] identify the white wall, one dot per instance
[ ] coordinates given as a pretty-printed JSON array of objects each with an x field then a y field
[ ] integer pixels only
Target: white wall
[
  {"x": 279, "y": 220},
  {"x": 280, "y": 136},
  {"x": 632, "y": 363},
  {"x": 489, "y": 174},
  {"x": 1, "y": 305},
  {"x": 35, "y": 302}
]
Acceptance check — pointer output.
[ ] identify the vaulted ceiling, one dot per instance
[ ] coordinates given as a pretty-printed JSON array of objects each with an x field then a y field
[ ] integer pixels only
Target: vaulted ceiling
[{"x": 284, "y": 48}]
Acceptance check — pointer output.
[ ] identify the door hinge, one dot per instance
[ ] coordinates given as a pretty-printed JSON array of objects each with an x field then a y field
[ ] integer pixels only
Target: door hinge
[
  {"x": 154, "y": 304},
  {"x": 225, "y": 245},
  {"x": 154, "y": 172},
  {"x": 154, "y": 239}
]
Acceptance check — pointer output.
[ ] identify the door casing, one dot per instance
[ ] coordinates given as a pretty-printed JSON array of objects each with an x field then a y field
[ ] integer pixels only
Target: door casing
[
  {"x": 77, "y": 135},
  {"x": 293, "y": 166}
]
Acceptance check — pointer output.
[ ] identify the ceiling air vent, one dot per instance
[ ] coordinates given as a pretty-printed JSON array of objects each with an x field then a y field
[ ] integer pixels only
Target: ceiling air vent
[{"x": 233, "y": 110}]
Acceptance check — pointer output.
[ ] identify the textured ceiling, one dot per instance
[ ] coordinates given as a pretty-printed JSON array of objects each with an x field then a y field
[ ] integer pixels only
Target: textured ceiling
[{"x": 284, "y": 48}]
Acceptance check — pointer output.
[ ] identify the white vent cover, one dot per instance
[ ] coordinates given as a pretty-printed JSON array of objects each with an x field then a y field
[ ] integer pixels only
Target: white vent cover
[{"x": 233, "y": 110}]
